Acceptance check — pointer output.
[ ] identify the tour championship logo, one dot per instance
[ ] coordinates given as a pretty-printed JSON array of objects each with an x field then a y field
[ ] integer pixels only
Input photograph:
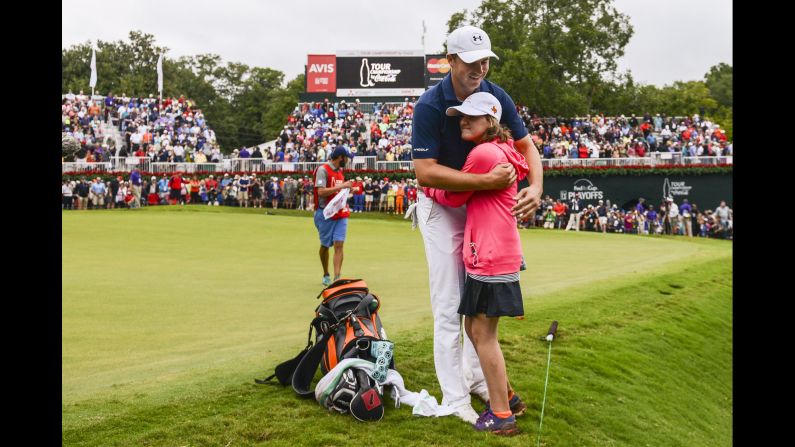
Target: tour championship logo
[
  {"x": 370, "y": 74},
  {"x": 586, "y": 188},
  {"x": 671, "y": 189},
  {"x": 440, "y": 65}
]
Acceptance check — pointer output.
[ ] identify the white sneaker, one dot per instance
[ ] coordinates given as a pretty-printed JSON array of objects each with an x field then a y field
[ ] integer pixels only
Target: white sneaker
[{"x": 467, "y": 413}]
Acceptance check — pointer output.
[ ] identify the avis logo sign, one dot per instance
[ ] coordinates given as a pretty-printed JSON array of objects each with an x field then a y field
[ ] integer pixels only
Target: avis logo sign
[{"x": 321, "y": 68}]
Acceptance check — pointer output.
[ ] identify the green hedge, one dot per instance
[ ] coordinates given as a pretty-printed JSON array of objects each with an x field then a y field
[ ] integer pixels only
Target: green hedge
[{"x": 671, "y": 170}]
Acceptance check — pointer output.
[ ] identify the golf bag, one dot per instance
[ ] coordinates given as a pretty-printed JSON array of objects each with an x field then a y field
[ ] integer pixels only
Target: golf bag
[{"x": 346, "y": 326}]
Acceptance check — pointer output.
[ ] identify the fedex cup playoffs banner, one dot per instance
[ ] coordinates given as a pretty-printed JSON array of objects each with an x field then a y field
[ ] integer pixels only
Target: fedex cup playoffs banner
[
  {"x": 380, "y": 73},
  {"x": 321, "y": 73},
  {"x": 705, "y": 190},
  {"x": 436, "y": 68}
]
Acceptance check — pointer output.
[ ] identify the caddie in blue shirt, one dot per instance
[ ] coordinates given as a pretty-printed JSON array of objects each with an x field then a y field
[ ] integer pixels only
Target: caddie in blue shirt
[{"x": 439, "y": 154}]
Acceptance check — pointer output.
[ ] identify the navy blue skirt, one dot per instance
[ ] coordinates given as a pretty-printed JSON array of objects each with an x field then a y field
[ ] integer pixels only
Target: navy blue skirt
[{"x": 502, "y": 299}]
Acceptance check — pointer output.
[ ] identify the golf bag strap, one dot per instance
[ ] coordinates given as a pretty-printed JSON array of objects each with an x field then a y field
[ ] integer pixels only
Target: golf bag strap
[
  {"x": 306, "y": 369},
  {"x": 308, "y": 345},
  {"x": 265, "y": 380}
]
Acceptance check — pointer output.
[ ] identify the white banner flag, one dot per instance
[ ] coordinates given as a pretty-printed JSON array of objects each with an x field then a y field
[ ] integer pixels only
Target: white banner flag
[
  {"x": 93, "y": 81},
  {"x": 160, "y": 74}
]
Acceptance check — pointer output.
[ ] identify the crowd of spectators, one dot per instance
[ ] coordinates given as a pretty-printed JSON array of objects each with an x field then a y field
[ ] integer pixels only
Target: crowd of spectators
[
  {"x": 621, "y": 137},
  {"x": 314, "y": 129},
  {"x": 247, "y": 190},
  {"x": 670, "y": 218},
  {"x": 81, "y": 120},
  {"x": 176, "y": 131},
  {"x": 390, "y": 132},
  {"x": 173, "y": 130}
]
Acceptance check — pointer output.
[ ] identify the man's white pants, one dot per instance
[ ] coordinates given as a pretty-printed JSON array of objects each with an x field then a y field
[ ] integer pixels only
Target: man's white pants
[
  {"x": 574, "y": 222},
  {"x": 457, "y": 366}
]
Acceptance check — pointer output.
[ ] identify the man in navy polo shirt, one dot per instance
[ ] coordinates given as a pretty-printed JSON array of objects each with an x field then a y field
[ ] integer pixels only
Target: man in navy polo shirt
[{"x": 439, "y": 154}]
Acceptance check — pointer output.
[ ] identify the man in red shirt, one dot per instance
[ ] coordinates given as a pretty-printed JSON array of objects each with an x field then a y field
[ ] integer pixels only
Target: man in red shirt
[
  {"x": 358, "y": 195},
  {"x": 411, "y": 194},
  {"x": 175, "y": 186},
  {"x": 645, "y": 128},
  {"x": 212, "y": 189},
  {"x": 640, "y": 150},
  {"x": 583, "y": 150},
  {"x": 560, "y": 211}
]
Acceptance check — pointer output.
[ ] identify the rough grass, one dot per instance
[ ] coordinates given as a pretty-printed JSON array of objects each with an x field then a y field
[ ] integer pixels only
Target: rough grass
[{"x": 168, "y": 315}]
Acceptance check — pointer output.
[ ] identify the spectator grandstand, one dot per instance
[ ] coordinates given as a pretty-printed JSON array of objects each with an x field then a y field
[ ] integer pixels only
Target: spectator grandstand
[
  {"x": 174, "y": 131},
  {"x": 622, "y": 137},
  {"x": 118, "y": 133}
]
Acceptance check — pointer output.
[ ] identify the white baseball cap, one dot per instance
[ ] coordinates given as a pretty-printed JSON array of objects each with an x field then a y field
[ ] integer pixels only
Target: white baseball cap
[
  {"x": 470, "y": 44},
  {"x": 477, "y": 104}
]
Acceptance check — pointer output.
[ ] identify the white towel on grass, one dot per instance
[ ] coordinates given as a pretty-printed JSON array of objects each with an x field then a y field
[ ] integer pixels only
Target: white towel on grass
[{"x": 423, "y": 403}]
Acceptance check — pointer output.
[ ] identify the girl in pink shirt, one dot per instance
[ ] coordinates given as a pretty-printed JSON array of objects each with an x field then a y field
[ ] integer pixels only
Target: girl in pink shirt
[{"x": 492, "y": 251}]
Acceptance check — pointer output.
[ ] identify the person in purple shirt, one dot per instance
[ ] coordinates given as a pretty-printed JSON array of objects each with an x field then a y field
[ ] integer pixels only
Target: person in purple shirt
[
  {"x": 685, "y": 210},
  {"x": 651, "y": 220},
  {"x": 244, "y": 153},
  {"x": 641, "y": 206},
  {"x": 135, "y": 179}
]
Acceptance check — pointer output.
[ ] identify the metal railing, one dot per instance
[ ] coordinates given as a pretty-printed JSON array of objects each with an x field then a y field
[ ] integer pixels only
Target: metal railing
[
  {"x": 656, "y": 159},
  {"x": 395, "y": 165},
  {"x": 362, "y": 164},
  {"x": 145, "y": 164}
]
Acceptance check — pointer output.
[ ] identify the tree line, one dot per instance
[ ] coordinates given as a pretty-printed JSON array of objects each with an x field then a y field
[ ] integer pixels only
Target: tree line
[{"x": 559, "y": 58}]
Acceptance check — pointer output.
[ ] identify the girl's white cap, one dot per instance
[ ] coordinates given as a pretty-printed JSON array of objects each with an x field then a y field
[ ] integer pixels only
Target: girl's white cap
[{"x": 477, "y": 104}]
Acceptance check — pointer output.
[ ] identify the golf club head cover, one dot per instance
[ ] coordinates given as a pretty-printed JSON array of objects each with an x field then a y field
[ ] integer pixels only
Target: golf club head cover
[
  {"x": 340, "y": 398},
  {"x": 368, "y": 403}
]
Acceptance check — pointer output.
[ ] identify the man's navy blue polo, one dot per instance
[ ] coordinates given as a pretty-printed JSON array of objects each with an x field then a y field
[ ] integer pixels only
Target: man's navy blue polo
[{"x": 436, "y": 135}]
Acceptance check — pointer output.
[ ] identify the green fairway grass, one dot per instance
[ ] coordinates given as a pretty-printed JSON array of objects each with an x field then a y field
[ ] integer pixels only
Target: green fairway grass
[{"x": 169, "y": 313}]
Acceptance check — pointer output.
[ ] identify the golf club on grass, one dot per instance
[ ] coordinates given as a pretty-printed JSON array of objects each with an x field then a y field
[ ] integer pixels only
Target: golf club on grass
[{"x": 553, "y": 329}]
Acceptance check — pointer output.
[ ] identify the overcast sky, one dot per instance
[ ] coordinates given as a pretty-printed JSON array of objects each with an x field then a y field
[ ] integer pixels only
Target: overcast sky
[{"x": 674, "y": 39}]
